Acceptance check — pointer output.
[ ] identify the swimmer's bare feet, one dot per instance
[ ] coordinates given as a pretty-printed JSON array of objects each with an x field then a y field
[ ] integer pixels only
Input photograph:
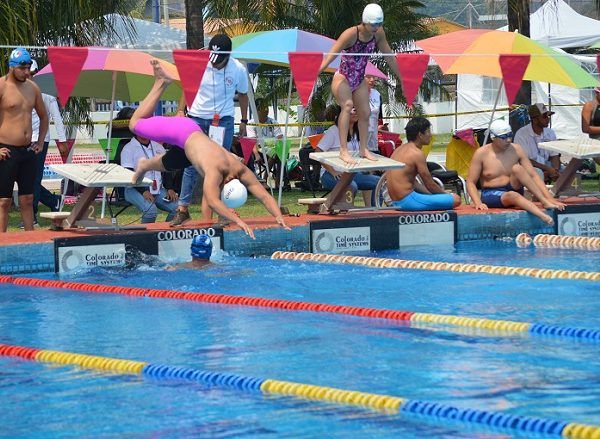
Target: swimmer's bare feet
[
  {"x": 140, "y": 171},
  {"x": 159, "y": 72},
  {"x": 346, "y": 157},
  {"x": 368, "y": 155},
  {"x": 547, "y": 219}
]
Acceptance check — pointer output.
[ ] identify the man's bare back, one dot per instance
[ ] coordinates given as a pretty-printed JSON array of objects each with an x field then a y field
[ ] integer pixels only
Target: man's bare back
[{"x": 401, "y": 182}]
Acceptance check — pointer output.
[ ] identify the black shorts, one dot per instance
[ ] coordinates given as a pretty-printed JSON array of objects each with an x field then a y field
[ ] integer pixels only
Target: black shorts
[
  {"x": 20, "y": 167},
  {"x": 175, "y": 159}
]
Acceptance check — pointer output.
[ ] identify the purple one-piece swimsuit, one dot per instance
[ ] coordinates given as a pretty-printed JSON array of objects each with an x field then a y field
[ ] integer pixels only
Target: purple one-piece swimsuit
[{"x": 353, "y": 67}]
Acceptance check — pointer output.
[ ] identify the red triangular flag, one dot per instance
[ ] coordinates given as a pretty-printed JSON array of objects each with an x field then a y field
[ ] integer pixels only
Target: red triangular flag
[
  {"x": 412, "y": 67},
  {"x": 190, "y": 66},
  {"x": 305, "y": 70},
  {"x": 64, "y": 155},
  {"x": 247, "y": 144},
  {"x": 67, "y": 63},
  {"x": 513, "y": 69}
]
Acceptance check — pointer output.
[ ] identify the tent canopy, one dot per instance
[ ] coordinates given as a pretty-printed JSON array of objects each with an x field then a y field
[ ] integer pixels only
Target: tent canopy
[{"x": 556, "y": 24}]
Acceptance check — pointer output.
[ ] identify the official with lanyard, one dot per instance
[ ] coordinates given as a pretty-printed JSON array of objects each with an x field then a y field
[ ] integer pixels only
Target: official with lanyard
[{"x": 213, "y": 110}]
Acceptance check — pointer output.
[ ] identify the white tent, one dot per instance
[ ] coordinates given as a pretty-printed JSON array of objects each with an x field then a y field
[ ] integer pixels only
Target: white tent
[
  {"x": 146, "y": 36},
  {"x": 557, "y": 25}
]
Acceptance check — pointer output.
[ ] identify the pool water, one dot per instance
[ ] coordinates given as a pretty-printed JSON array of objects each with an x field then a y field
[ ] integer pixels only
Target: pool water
[{"x": 549, "y": 377}]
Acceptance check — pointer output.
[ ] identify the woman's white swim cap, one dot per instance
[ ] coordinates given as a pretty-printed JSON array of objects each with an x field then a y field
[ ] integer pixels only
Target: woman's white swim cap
[
  {"x": 372, "y": 14},
  {"x": 234, "y": 194}
]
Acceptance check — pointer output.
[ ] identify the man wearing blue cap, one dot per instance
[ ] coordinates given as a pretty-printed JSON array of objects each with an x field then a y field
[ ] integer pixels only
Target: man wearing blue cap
[
  {"x": 201, "y": 249},
  {"x": 18, "y": 98}
]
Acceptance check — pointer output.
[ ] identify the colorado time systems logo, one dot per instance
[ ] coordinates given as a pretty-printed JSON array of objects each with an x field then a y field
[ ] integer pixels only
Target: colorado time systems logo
[{"x": 342, "y": 240}]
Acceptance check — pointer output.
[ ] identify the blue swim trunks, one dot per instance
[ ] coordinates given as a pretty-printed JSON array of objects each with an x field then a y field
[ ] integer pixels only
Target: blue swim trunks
[
  {"x": 492, "y": 196},
  {"x": 417, "y": 202}
]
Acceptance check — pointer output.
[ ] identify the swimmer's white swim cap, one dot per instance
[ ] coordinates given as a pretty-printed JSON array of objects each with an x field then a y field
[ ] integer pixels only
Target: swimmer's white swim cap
[
  {"x": 234, "y": 194},
  {"x": 500, "y": 127},
  {"x": 372, "y": 14}
]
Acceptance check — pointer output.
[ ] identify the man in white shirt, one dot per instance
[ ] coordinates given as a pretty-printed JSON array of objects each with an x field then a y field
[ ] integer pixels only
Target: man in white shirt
[
  {"x": 213, "y": 110},
  {"x": 148, "y": 199},
  {"x": 40, "y": 193},
  {"x": 375, "y": 105},
  {"x": 530, "y": 136}
]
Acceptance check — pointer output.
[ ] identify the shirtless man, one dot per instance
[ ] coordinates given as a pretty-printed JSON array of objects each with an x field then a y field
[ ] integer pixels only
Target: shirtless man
[
  {"x": 193, "y": 147},
  {"x": 503, "y": 169},
  {"x": 401, "y": 182},
  {"x": 18, "y": 97}
]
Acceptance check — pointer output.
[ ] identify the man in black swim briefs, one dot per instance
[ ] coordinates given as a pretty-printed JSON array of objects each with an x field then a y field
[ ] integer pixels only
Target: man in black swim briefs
[
  {"x": 503, "y": 169},
  {"x": 18, "y": 97}
]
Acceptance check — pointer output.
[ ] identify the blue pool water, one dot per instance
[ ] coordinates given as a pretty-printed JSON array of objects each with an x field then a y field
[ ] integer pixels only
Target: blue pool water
[{"x": 519, "y": 374}]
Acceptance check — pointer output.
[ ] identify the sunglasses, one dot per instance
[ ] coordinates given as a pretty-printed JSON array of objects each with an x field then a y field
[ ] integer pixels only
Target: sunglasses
[
  {"x": 376, "y": 24},
  {"x": 504, "y": 136}
]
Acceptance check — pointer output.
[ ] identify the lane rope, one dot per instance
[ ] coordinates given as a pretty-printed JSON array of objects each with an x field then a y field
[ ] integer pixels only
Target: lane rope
[
  {"x": 558, "y": 241},
  {"x": 385, "y": 403},
  {"x": 292, "y": 305},
  {"x": 540, "y": 273}
]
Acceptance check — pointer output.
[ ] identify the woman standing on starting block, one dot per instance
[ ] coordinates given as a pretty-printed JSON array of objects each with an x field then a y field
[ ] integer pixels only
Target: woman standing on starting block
[{"x": 349, "y": 86}]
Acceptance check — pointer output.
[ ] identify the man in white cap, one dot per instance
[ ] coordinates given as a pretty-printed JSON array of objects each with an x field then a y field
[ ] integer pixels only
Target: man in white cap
[
  {"x": 503, "y": 169},
  {"x": 530, "y": 136}
]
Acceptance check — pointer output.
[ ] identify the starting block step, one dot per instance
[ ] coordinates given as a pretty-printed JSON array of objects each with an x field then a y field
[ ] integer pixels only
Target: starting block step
[
  {"x": 313, "y": 204},
  {"x": 56, "y": 217}
]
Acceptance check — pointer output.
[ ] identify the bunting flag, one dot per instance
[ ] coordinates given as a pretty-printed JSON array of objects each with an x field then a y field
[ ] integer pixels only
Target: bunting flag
[
  {"x": 305, "y": 70},
  {"x": 190, "y": 66},
  {"x": 513, "y": 69},
  {"x": 412, "y": 67},
  {"x": 64, "y": 155},
  {"x": 247, "y": 144},
  {"x": 67, "y": 63}
]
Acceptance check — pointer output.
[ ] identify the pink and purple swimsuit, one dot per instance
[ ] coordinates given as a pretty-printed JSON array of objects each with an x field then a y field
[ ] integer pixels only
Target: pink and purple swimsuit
[
  {"x": 353, "y": 67},
  {"x": 171, "y": 130}
]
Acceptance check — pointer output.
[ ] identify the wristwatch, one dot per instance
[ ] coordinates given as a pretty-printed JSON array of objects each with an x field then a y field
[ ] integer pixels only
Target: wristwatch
[{"x": 243, "y": 120}]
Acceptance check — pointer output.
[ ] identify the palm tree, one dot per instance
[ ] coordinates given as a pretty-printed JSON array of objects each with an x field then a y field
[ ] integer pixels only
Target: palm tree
[
  {"x": 194, "y": 24},
  {"x": 59, "y": 22}
]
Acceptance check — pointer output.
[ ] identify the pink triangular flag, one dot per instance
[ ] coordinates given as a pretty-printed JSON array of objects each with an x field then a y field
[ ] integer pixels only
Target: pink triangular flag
[
  {"x": 412, "y": 67},
  {"x": 466, "y": 135},
  {"x": 67, "y": 63},
  {"x": 305, "y": 70},
  {"x": 247, "y": 144},
  {"x": 190, "y": 66},
  {"x": 513, "y": 69}
]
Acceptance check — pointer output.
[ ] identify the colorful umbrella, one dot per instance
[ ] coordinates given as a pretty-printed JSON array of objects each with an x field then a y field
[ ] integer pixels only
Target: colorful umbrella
[
  {"x": 133, "y": 76},
  {"x": 272, "y": 47},
  {"x": 113, "y": 74},
  {"x": 477, "y": 51}
]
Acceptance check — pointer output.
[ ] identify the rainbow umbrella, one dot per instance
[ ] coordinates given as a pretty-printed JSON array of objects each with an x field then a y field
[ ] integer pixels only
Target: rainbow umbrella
[
  {"x": 272, "y": 47},
  {"x": 477, "y": 51}
]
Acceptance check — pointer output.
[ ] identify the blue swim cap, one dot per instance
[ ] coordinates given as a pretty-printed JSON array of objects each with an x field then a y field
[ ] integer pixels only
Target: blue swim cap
[
  {"x": 19, "y": 57},
  {"x": 201, "y": 247}
]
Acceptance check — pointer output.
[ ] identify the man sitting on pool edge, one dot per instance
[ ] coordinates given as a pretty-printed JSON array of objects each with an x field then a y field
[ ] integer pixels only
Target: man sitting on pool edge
[
  {"x": 503, "y": 169},
  {"x": 401, "y": 182}
]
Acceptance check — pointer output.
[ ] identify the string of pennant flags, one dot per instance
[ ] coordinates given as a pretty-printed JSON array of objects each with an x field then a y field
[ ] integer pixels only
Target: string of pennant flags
[{"x": 67, "y": 63}]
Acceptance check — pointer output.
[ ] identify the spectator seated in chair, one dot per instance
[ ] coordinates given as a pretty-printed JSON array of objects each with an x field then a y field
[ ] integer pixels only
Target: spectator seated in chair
[{"x": 158, "y": 196}]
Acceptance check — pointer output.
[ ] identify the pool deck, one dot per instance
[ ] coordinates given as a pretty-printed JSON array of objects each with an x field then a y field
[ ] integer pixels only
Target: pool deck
[
  {"x": 260, "y": 223},
  {"x": 22, "y": 252}
]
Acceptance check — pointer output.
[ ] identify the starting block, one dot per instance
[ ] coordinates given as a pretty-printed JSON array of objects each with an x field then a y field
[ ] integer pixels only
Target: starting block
[
  {"x": 340, "y": 199},
  {"x": 93, "y": 177}
]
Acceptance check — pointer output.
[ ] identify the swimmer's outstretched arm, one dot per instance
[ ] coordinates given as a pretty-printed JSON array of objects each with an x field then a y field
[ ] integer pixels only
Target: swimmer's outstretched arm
[{"x": 249, "y": 180}]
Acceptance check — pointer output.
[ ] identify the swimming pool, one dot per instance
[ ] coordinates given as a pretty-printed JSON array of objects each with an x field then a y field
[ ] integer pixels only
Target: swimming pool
[{"x": 521, "y": 374}]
